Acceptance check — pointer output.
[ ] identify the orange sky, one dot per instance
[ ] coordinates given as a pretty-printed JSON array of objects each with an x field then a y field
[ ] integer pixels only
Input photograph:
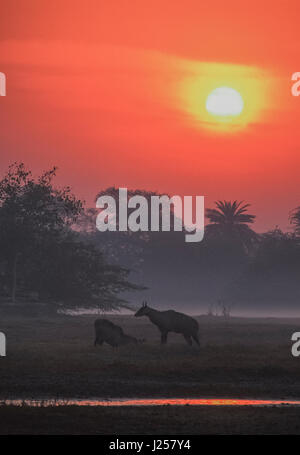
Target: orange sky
[{"x": 99, "y": 89}]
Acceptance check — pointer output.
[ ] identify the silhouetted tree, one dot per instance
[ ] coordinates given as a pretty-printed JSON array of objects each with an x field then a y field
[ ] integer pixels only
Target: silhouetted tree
[
  {"x": 75, "y": 273},
  {"x": 273, "y": 273},
  {"x": 40, "y": 250},
  {"x": 31, "y": 210},
  {"x": 230, "y": 221},
  {"x": 127, "y": 247}
]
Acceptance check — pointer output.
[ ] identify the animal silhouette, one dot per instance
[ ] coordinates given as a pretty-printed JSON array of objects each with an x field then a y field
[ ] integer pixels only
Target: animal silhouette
[
  {"x": 171, "y": 321},
  {"x": 110, "y": 333}
]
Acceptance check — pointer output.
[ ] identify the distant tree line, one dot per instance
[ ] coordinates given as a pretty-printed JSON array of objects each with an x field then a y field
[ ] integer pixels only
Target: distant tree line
[
  {"x": 52, "y": 252},
  {"x": 233, "y": 264}
]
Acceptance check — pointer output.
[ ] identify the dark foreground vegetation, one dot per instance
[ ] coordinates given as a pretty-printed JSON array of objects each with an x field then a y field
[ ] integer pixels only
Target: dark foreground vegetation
[{"x": 153, "y": 421}]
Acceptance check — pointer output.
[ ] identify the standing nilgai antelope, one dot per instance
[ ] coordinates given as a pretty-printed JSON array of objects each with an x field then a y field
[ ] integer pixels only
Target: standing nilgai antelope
[{"x": 171, "y": 321}]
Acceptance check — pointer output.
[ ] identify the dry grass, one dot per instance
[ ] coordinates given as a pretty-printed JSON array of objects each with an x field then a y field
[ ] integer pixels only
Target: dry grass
[
  {"x": 56, "y": 357},
  {"x": 240, "y": 358}
]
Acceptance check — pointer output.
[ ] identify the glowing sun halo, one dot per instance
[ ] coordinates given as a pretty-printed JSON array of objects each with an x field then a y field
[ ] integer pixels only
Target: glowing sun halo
[
  {"x": 224, "y": 101},
  {"x": 224, "y": 98}
]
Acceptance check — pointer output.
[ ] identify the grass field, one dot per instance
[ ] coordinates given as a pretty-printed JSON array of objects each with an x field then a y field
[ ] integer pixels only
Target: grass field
[
  {"x": 186, "y": 420},
  {"x": 240, "y": 358}
]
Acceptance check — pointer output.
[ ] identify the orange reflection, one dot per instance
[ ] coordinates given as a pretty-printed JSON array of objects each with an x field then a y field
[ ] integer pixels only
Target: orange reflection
[{"x": 150, "y": 402}]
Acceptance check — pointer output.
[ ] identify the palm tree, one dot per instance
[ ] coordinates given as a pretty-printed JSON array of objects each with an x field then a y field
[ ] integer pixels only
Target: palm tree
[
  {"x": 295, "y": 220},
  {"x": 230, "y": 220}
]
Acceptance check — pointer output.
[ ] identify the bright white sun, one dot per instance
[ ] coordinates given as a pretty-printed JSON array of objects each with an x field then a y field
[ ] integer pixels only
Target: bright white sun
[{"x": 224, "y": 101}]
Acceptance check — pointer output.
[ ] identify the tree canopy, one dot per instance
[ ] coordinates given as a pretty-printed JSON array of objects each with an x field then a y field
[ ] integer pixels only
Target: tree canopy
[{"x": 42, "y": 254}]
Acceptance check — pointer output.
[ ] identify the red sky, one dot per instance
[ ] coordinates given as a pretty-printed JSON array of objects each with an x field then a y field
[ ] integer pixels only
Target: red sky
[{"x": 95, "y": 87}]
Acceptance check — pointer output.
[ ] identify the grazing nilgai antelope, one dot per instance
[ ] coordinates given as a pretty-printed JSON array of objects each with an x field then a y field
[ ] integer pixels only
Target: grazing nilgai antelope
[
  {"x": 110, "y": 333},
  {"x": 171, "y": 321}
]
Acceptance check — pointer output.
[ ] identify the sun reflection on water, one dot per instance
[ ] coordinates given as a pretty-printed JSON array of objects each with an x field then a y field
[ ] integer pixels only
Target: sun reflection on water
[{"x": 148, "y": 402}]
